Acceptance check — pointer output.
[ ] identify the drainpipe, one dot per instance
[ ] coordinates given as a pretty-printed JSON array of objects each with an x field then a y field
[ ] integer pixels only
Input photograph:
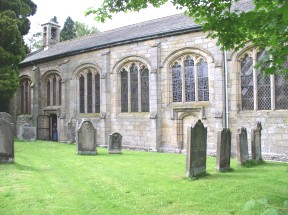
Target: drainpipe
[{"x": 226, "y": 91}]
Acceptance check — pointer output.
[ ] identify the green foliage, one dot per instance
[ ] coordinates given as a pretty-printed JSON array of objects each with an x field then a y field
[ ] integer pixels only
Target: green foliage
[
  {"x": 266, "y": 26},
  {"x": 49, "y": 178},
  {"x": 69, "y": 30},
  {"x": 14, "y": 24},
  {"x": 82, "y": 29}
]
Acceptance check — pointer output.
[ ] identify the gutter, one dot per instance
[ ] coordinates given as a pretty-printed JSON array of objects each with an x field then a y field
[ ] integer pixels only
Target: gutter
[{"x": 109, "y": 45}]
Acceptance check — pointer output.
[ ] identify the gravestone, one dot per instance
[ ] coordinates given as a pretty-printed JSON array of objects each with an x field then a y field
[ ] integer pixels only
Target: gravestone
[
  {"x": 256, "y": 143},
  {"x": 86, "y": 139},
  {"x": 242, "y": 146},
  {"x": 196, "y": 150},
  {"x": 27, "y": 132},
  {"x": 6, "y": 138},
  {"x": 71, "y": 128},
  {"x": 115, "y": 143},
  {"x": 223, "y": 150},
  {"x": 21, "y": 120}
]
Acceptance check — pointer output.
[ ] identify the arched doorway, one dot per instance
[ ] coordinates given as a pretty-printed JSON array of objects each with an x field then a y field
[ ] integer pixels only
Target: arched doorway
[{"x": 53, "y": 127}]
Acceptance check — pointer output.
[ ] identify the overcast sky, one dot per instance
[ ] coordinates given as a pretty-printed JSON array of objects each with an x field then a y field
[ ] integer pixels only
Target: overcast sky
[{"x": 47, "y": 9}]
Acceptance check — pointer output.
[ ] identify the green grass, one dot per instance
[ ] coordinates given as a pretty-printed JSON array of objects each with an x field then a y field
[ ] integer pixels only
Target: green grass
[{"x": 49, "y": 178}]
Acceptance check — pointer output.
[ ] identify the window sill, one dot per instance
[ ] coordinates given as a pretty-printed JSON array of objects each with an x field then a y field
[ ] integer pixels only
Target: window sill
[
  {"x": 89, "y": 115},
  {"x": 198, "y": 104},
  {"x": 134, "y": 115}
]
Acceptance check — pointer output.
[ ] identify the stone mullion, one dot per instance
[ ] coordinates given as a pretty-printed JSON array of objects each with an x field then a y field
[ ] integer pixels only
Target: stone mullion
[
  {"x": 139, "y": 91},
  {"x": 93, "y": 93},
  {"x": 85, "y": 94},
  {"x": 272, "y": 87},
  {"x": 183, "y": 82},
  {"x": 196, "y": 82},
  {"x": 29, "y": 97},
  {"x": 255, "y": 85},
  {"x": 57, "y": 92},
  {"x": 51, "y": 91}
]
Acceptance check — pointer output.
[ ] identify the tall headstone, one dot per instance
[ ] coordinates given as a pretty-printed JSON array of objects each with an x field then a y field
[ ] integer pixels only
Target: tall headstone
[
  {"x": 223, "y": 150},
  {"x": 196, "y": 150},
  {"x": 86, "y": 139},
  {"x": 6, "y": 138},
  {"x": 242, "y": 146},
  {"x": 256, "y": 143},
  {"x": 115, "y": 143}
]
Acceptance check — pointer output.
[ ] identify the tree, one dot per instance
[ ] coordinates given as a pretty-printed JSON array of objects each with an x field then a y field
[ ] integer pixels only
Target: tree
[
  {"x": 265, "y": 25},
  {"x": 82, "y": 29},
  {"x": 35, "y": 42},
  {"x": 69, "y": 30},
  {"x": 14, "y": 24}
]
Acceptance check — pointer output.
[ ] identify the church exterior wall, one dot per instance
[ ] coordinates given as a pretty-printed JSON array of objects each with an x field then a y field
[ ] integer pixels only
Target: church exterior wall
[{"x": 163, "y": 128}]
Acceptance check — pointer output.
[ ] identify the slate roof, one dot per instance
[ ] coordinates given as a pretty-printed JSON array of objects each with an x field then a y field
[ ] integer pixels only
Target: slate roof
[{"x": 167, "y": 26}]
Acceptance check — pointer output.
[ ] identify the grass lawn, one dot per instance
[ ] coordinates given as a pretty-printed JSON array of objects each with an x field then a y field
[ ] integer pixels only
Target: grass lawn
[{"x": 49, "y": 178}]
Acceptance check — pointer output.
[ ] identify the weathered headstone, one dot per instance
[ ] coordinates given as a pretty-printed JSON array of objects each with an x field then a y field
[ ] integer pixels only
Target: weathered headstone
[
  {"x": 242, "y": 146},
  {"x": 6, "y": 138},
  {"x": 115, "y": 143},
  {"x": 196, "y": 150},
  {"x": 223, "y": 150},
  {"x": 21, "y": 120},
  {"x": 86, "y": 139},
  {"x": 71, "y": 130},
  {"x": 27, "y": 132},
  {"x": 256, "y": 143}
]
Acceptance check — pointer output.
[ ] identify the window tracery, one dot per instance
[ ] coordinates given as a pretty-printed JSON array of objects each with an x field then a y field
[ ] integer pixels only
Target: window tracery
[
  {"x": 53, "y": 89},
  {"x": 25, "y": 96}
]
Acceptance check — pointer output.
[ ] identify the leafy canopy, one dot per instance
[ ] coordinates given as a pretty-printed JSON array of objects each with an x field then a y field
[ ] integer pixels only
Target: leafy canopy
[
  {"x": 83, "y": 29},
  {"x": 69, "y": 30},
  {"x": 265, "y": 24},
  {"x": 14, "y": 24}
]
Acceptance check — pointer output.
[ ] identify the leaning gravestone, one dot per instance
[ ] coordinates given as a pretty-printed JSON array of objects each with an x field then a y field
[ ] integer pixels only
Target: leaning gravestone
[
  {"x": 27, "y": 132},
  {"x": 86, "y": 139},
  {"x": 115, "y": 143},
  {"x": 223, "y": 150},
  {"x": 6, "y": 138},
  {"x": 256, "y": 143},
  {"x": 196, "y": 150},
  {"x": 242, "y": 146}
]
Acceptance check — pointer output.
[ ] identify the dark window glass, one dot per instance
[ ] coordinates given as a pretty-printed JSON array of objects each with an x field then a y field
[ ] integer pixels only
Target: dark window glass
[
  {"x": 97, "y": 93},
  {"x": 124, "y": 91},
  {"x": 144, "y": 90},
  {"x": 281, "y": 90},
  {"x": 60, "y": 92},
  {"x": 177, "y": 83},
  {"x": 48, "y": 93},
  {"x": 23, "y": 97},
  {"x": 189, "y": 79},
  {"x": 247, "y": 83},
  {"x": 134, "y": 88},
  {"x": 89, "y": 92},
  {"x": 54, "y": 90},
  {"x": 203, "y": 81},
  {"x": 81, "y": 96}
]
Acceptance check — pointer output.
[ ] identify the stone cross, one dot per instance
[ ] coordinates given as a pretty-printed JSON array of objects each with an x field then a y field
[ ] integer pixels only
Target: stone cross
[
  {"x": 242, "y": 146},
  {"x": 115, "y": 143},
  {"x": 86, "y": 139},
  {"x": 196, "y": 150},
  {"x": 6, "y": 138},
  {"x": 223, "y": 153},
  {"x": 256, "y": 142}
]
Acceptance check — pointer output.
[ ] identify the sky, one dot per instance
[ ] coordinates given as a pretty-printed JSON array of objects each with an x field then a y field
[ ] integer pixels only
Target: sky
[{"x": 47, "y": 9}]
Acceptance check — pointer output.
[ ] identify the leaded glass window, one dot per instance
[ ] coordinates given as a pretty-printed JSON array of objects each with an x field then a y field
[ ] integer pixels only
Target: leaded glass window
[
  {"x": 189, "y": 79},
  {"x": 25, "y": 96},
  {"x": 54, "y": 91},
  {"x": 97, "y": 93},
  {"x": 247, "y": 83},
  {"x": 144, "y": 90},
  {"x": 281, "y": 90},
  {"x": 177, "y": 82},
  {"x": 48, "y": 93},
  {"x": 81, "y": 94},
  {"x": 203, "y": 81},
  {"x": 89, "y": 92},
  {"x": 134, "y": 88},
  {"x": 60, "y": 92},
  {"x": 263, "y": 87},
  {"x": 124, "y": 91}
]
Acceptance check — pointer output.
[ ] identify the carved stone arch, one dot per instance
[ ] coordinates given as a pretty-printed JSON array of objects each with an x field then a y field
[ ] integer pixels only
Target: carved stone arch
[
  {"x": 198, "y": 59},
  {"x": 174, "y": 63},
  {"x": 187, "y": 51},
  {"x": 82, "y": 67},
  {"x": 129, "y": 60},
  {"x": 49, "y": 73}
]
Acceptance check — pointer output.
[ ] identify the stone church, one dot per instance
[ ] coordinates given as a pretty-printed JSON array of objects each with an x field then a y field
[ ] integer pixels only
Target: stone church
[{"x": 149, "y": 82}]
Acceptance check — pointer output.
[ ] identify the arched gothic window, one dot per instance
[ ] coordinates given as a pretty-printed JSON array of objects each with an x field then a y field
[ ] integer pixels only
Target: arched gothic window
[
  {"x": 89, "y": 91},
  {"x": 53, "y": 90},
  {"x": 258, "y": 89},
  {"x": 134, "y": 88},
  {"x": 190, "y": 80},
  {"x": 25, "y": 96}
]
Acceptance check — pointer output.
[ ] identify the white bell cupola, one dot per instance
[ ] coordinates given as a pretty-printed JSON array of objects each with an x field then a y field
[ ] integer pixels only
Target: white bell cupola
[{"x": 51, "y": 34}]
